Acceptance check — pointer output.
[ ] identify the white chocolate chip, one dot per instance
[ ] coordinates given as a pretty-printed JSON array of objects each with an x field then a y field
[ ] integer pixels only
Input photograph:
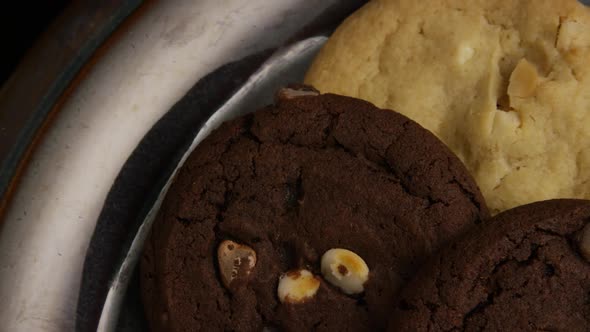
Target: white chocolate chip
[
  {"x": 523, "y": 80},
  {"x": 297, "y": 286},
  {"x": 572, "y": 35},
  {"x": 584, "y": 242},
  {"x": 464, "y": 54},
  {"x": 291, "y": 93},
  {"x": 235, "y": 260},
  {"x": 345, "y": 269}
]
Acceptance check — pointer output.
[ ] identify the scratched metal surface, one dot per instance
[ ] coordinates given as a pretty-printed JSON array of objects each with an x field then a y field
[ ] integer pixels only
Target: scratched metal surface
[
  {"x": 47, "y": 228},
  {"x": 285, "y": 66}
]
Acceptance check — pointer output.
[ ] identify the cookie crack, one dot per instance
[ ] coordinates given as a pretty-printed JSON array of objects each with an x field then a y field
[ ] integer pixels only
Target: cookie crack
[
  {"x": 548, "y": 232},
  {"x": 561, "y": 19},
  {"x": 295, "y": 193},
  {"x": 247, "y": 127},
  {"x": 429, "y": 199},
  {"x": 382, "y": 53},
  {"x": 472, "y": 196},
  {"x": 331, "y": 141},
  {"x": 480, "y": 307}
]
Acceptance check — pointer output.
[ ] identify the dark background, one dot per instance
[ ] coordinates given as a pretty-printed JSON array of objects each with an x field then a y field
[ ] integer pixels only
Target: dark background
[{"x": 20, "y": 26}]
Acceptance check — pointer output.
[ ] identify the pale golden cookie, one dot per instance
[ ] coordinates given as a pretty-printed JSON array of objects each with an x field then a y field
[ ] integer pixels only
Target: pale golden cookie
[{"x": 506, "y": 84}]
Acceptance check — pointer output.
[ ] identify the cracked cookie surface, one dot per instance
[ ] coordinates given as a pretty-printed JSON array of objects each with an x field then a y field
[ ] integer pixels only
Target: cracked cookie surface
[
  {"x": 523, "y": 270},
  {"x": 503, "y": 83},
  {"x": 292, "y": 181}
]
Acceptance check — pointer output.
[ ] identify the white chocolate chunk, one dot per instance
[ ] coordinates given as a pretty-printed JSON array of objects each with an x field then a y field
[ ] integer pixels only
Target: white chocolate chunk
[
  {"x": 297, "y": 286},
  {"x": 523, "y": 80},
  {"x": 235, "y": 260},
  {"x": 464, "y": 54},
  {"x": 345, "y": 269},
  {"x": 573, "y": 35},
  {"x": 291, "y": 93}
]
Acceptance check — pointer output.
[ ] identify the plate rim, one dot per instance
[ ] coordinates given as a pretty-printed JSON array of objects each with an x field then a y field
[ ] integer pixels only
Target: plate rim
[{"x": 100, "y": 40}]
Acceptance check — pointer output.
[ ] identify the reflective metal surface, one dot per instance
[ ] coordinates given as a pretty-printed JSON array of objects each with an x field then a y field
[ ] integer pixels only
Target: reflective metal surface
[
  {"x": 47, "y": 228},
  {"x": 286, "y": 66}
]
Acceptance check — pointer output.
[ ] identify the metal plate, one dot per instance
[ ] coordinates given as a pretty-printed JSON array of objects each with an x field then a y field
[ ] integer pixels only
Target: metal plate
[
  {"x": 139, "y": 183},
  {"x": 285, "y": 66},
  {"x": 98, "y": 145},
  {"x": 119, "y": 295},
  {"x": 116, "y": 133}
]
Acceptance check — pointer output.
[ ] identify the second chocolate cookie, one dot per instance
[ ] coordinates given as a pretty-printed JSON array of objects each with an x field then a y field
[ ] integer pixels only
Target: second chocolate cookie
[{"x": 527, "y": 269}]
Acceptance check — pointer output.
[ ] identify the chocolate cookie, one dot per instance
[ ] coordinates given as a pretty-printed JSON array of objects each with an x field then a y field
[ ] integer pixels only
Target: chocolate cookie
[
  {"x": 243, "y": 239},
  {"x": 527, "y": 269}
]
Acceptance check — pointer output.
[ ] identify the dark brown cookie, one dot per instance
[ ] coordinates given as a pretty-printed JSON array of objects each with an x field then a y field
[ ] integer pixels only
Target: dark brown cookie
[
  {"x": 527, "y": 269},
  {"x": 292, "y": 181}
]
